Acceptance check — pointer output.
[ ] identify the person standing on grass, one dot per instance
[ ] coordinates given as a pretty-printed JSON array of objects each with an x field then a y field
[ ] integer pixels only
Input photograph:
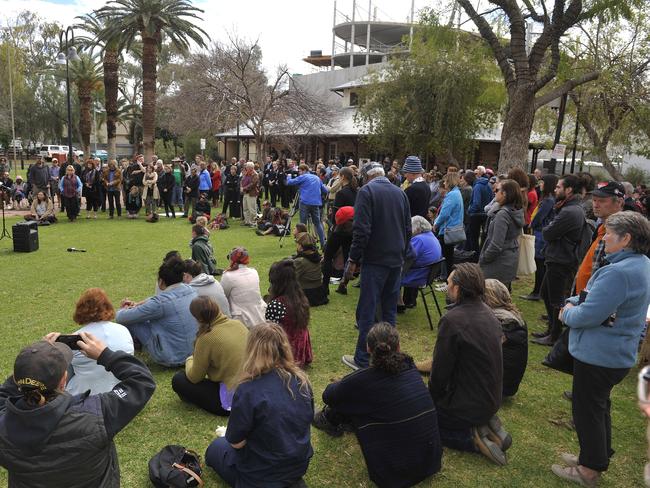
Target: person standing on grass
[
  {"x": 467, "y": 369},
  {"x": 54, "y": 180},
  {"x": 112, "y": 181},
  {"x": 50, "y": 438},
  {"x": 190, "y": 192},
  {"x": 250, "y": 189},
  {"x": 418, "y": 191},
  {"x": 606, "y": 322},
  {"x": 562, "y": 237},
  {"x": 39, "y": 177},
  {"x": 70, "y": 188},
  {"x": 450, "y": 216},
  {"x": 481, "y": 196},
  {"x": 231, "y": 193},
  {"x": 205, "y": 182},
  {"x": 90, "y": 180},
  {"x": 374, "y": 401},
  {"x": 166, "y": 185},
  {"x": 268, "y": 440},
  {"x": 150, "y": 194},
  {"x": 311, "y": 202},
  {"x": 212, "y": 371},
  {"x": 380, "y": 238}
]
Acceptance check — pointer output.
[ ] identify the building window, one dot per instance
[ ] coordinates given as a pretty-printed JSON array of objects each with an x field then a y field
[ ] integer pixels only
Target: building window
[
  {"x": 354, "y": 99},
  {"x": 332, "y": 151}
]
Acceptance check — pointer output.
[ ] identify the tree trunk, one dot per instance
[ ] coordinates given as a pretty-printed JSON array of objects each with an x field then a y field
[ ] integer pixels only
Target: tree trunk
[
  {"x": 111, "y": 65},
  {"x": 607, "y": 164},
  {"x": 149, "y": 67},
  {"x": 85, "y": 118},
  {"x": 517, "y": 126}
]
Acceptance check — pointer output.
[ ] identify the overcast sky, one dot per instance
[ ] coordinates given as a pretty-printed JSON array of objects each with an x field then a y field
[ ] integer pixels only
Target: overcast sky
[{"x": 287, "y": 29}]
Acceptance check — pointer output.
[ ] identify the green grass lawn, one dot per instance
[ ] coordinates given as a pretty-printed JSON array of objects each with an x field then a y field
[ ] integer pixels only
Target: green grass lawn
[{"x": 38, "y": 294}]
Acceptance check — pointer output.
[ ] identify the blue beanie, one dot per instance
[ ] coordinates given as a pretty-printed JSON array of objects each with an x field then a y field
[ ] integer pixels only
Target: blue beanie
[{"x": 412, "y": 164}]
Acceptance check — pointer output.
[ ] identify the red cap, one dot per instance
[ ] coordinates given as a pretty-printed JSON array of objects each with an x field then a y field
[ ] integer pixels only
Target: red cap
[{"x": 344, "y": 214}]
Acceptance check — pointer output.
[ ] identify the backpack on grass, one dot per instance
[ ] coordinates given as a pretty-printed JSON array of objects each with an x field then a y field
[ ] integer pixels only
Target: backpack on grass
[{"x": 175, "y": 467}]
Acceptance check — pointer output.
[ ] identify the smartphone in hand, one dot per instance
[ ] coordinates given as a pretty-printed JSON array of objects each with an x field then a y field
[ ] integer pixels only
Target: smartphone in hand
[{"x": 70, "y": 341}]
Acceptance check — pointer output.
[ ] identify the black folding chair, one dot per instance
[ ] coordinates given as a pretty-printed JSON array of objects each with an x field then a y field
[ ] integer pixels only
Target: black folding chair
[{"x": 434, "y": 272}]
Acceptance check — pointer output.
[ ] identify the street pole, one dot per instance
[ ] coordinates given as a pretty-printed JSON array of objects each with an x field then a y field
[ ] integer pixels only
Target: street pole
[
  {"x": 558, "y": 130},
  {"x": 67, "y": 51},
  {"x": 11, "y": 103}
]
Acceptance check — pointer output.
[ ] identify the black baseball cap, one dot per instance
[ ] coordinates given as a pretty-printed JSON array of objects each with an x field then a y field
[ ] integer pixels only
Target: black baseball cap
[
  {"x": 41, "y": 365},
  {"x": 610, "y": 189}
]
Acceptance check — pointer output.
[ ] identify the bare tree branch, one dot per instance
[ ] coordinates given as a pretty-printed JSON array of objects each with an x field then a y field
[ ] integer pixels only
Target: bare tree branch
[{"x": 566, "y": 87}]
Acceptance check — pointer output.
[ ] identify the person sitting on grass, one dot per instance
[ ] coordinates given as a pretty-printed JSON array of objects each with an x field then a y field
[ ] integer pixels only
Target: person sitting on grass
[
  {"x": 205, "y": 285},
  {"x": 241, "y": 285},
  {"x": 46, "y": 434},
  {"x": 94, "y": 312},
  {"x": 267, "y": 442},
  {"x": 265, "y": 216},
  {"x": 515, "y": 334},
  {"x": 275, "y": 225},
  {"x": 220, "y": 222},
  {"x": 212, "y": 371},
  {"x": 289, "y": 307},
  {"x": 202, "y": 251},
  {"x": 18, "y": 191},
  {"x": 387, "y": 406},
  {"x": 202, "y": 220},
  {"x": 308, "y": 270},
  {"x": 163, "y": 324},
  {"x": 42, "y": 210},
  {"x": 467, "y": 373},
  {"x": 202, "y": 208}
]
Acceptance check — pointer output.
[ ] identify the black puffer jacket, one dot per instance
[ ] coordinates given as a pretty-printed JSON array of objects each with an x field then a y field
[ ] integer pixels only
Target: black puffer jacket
[
  {"x": 563, "y": 233},
  {"x": 68, "y": 442}
]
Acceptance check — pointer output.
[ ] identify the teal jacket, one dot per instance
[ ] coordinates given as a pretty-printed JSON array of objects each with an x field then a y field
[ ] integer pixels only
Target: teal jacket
[{"x": 620, "y": 289}]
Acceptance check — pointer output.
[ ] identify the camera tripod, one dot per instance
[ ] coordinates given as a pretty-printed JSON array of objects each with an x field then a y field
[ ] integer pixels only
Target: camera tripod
[
  {"x": 293, "y": 209},
  {"x": 5, "y": 232}
]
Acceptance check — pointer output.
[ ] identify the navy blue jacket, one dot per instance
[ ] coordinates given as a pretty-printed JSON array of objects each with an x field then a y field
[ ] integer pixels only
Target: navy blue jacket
[
  {"x": 481, "y": 196},
  {"x": 382, "y": 224}
]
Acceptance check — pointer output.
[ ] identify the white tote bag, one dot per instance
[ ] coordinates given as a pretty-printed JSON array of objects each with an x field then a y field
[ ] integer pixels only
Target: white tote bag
[{"x": 526, "y": 264}]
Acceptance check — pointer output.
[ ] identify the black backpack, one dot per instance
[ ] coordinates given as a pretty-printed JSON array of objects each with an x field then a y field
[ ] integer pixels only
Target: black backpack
[{"x": 175, "y": 467}]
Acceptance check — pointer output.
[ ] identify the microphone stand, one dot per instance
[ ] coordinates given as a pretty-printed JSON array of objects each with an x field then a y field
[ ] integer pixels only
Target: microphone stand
[{"x": 5, "y": 232}]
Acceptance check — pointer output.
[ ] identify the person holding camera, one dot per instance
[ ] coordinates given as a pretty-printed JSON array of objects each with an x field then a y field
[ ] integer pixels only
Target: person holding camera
[
  {"x": 605, "y": 325},
  {"x": 50, "y": 438},
  {"x": 311, "y": 188}
]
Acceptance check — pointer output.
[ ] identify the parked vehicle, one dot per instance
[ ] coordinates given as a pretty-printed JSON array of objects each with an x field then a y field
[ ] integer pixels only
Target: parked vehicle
[
  {"x": 48, "y": 150},
  {"x": 101, "y": 154}
]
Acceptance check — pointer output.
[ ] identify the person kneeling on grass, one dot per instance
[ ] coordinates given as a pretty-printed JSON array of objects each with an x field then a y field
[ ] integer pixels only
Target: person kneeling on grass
[
  {"x": 163, "y": 324},
  {"x": 267, "y": 442},
  {"x": 390, "y": 410},
  {"x": 211, "y": 373},
  {"x": 49, "y": 438},
  {"x": 202, "y": 251},
  {"x": 467, "y": 373}
]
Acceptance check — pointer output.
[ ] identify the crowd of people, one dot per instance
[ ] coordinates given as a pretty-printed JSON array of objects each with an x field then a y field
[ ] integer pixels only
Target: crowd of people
[{"x": 245, "y": 355}]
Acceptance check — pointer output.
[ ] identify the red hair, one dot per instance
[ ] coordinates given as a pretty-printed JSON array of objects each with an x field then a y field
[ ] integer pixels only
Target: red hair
[{"x": 93, "y": 306}]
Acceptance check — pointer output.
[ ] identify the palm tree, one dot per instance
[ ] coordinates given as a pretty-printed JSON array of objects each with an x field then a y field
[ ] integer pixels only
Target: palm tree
[
  {"x": 151, "y": 20},
  {"x": 111, "y": 63},
  {"x": 87, "y": 76}
]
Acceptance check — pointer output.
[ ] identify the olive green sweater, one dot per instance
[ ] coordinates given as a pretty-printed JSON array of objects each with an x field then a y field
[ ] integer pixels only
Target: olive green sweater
[{"x": 219, "y": 354}]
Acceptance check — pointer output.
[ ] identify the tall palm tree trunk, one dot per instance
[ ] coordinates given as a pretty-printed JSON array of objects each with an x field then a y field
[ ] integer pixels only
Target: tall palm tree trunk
[
  {"x": 85, "y": 118},
  {"x": 149, "y": 67},
  {"x": 111, "y": 66}
]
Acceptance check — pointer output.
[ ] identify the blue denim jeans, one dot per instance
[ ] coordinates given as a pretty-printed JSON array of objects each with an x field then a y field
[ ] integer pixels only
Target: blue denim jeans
[
  {"x": 377, "y": 303},
  {"x": 177, "y": 196},
  {"x": 313, "y": 212}
]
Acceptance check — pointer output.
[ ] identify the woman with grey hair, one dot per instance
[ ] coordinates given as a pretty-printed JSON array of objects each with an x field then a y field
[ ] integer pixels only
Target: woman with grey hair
[
  {"x": 424, "y": 250},
  {"x": 606, "y": 322}
]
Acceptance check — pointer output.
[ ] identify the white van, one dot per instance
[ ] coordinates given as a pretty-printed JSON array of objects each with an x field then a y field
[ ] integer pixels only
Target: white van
[{"x": 47, "y": 151}]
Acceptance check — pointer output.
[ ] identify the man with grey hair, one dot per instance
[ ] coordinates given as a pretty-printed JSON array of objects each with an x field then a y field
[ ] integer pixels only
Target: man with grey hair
[{"x": 380, "y": 238}]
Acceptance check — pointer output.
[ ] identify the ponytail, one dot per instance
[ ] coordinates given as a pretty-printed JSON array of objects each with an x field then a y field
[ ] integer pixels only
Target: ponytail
[{"x": 383, "y": 342}]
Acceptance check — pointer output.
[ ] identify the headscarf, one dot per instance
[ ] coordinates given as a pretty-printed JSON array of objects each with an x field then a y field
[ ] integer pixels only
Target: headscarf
[{"x": 239, "y": 255}]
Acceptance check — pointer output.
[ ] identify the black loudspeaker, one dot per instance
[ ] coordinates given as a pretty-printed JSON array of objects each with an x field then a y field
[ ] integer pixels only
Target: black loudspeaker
[{"x": 25, "y": 235}]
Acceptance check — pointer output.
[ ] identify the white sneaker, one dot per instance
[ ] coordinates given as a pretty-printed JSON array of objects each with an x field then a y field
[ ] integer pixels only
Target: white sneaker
[
  {"x": 335, "y": 281},
  {"x": 441, "y": 288},
  {"x": 349, "y": 361}
]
